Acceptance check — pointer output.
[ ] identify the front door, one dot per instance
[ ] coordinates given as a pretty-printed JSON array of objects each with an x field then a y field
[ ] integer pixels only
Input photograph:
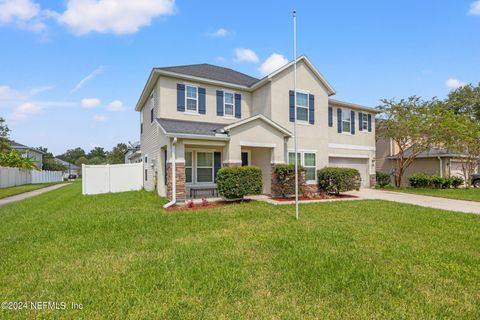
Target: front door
[{"x": 245, "y": 159}]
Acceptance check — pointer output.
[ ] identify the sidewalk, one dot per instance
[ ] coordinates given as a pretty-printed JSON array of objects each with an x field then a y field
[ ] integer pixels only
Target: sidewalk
[{"x": 30, "y": 194}]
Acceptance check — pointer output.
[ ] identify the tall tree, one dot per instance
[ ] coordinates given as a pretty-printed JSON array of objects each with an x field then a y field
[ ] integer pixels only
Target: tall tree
[
  {"x": 72, "y": 155},
  {"x": 410, "y": 124},
  {"x": 4, "y": 136},
  {"x": 460, "y": 134},
  {"x": 97, "y": 152},
  {"x": 465, "y": 100},
  {"x": 117, "y": 155}
]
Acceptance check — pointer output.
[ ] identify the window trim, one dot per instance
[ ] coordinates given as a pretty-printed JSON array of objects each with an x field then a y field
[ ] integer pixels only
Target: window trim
[
  {"x": 364, "y": 122},
  {"x": 141, "y": 122},
  {"x": 347, "y": 112},
  {"x": 151, "y": 102},
  {"x": 186, "y": 167},
  {"x": 186, "y": 99},
  {"x": 306, "y": 92},
  {"x": 302, "y": 161},
  {"x": 195, "y": 167},
  {"x": 225, "y": 103}
]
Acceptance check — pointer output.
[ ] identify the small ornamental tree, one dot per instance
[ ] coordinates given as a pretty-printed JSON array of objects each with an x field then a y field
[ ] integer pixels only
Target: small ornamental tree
[
  {"x": 283, "y": 183},
  {"x": 14, "y": 159},
  {"x": 235, "y": 183},
  {"x": 337, "y": 180}
]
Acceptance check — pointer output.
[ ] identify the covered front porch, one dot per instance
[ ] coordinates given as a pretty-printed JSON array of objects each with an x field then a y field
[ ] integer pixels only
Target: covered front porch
[{"x": 198, "y": 158}]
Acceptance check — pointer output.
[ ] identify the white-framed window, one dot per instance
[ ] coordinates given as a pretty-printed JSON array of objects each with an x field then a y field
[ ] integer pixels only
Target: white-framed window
[
  {"x": 141, "y": 122},
  {"x": 204, "y": 167},
  {"x": 308, "y": 160},
  {"x": 364, "y": 122},
  {"x": 302, "y": 106},
  {"x": 191, "y": 99},
  {"x": 188, "y": 166},
  {"x": 152, "y": 105},
  {"x": 346, "y": 121},
  {"x": 228, "y": 104}
]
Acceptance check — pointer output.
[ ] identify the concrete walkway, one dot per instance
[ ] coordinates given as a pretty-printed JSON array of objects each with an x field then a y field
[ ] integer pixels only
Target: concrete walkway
[
  {"x": 420, "y": 200},
  {"x": 30, "y": 194}
]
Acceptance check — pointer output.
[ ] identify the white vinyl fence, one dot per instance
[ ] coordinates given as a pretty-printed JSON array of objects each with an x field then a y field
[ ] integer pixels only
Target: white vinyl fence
[
  {"x": 98, "y": 179},
  {"x": 10, "y": 177}
]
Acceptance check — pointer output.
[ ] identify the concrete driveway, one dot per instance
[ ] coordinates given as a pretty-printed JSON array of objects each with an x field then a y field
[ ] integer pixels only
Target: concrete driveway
[{"x": 419, "y": 200}]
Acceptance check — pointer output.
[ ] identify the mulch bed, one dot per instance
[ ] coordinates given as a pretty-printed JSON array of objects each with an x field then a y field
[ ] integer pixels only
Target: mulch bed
[
  {"x": 319, "y": 197},
  {"x": 200, "y": 206}
]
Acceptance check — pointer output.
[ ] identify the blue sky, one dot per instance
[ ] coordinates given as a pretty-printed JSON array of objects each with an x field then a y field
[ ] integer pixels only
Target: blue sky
[{"x": 71, "y": 71}]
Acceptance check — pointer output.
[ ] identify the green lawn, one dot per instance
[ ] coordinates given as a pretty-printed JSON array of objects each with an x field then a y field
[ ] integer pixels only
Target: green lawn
[
  {"x": 11, "y": 191},
  {"x": 121, "y": 256},
  {"x": 472, "y": 194}
]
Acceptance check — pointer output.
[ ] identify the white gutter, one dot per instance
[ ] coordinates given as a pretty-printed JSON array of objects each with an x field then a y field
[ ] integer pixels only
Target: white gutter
[
  {"x": 174, "y": 175},
  {"x": 441, "y": 166}
]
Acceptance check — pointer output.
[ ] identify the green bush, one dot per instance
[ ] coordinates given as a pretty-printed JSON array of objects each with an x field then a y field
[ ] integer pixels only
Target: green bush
[
  {"x": 383, "y": 179},
  {"x": 456, "y": 182},
  {"x": 337, "y": 180},
  {"x": 284, "y": 180},
  {"x": 235, "y": 183},
  {"x": 421, "y": 180}
]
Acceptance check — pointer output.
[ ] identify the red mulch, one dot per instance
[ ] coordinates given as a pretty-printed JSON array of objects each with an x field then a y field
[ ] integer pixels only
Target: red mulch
[
  {"x": 200, "y": 206},
  {"x": 319, "y": 197}
]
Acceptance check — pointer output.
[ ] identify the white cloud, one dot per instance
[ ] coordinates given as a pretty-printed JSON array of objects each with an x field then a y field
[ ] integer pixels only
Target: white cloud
[
  {"x": 475, "y": 8},
  {"x": 245, "y": 55},
  {"x": 90, "y": 102},
  {"x": 89, "y": 77},
  {"x": 24, "y": 14},
  {"x": 116, "y": 106},
  {"x": 454, "y": 83},
  {"x": 219, "y": 33},
  {"x": 21, "y": 112},
  {"x": 9, "y": 95},
  {"x": 112, "y": 16},
  {"x": 274, "y": 62},
  {"x": 99, "y": 118}
]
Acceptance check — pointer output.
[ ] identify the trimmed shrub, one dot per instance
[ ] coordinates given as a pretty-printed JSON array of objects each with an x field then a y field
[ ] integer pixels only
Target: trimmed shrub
[
  {"x": 235, "y": 183},
  {"x": 456, "y": 182},
  {"x": 420, "y": 180},
  {"x": 383, "y": 179},
  {"x": 284, "y": 180},
  {"x": 336, "y": 180}
]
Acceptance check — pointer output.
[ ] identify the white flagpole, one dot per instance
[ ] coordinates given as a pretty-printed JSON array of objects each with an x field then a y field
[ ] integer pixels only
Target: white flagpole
[{"x": 295, "y": 107}]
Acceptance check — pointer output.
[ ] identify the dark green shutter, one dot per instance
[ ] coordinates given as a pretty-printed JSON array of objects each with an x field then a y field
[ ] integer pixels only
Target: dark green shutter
[
  {"x": 217, "y": 164},
  {"x": 311, "y": 109},
  {"x": 369, "y": 123},
  {"x": 201, "y": 101},
  {"x": 220, "y": 103},
  {"x": 238, "y": 105},
  {"x": 180, "y": 97},
  {"x": 291, "y": 95},
  {"x": 330, "y": 116}
]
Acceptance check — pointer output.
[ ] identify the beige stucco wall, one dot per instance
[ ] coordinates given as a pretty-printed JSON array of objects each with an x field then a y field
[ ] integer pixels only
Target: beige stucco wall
[
  {"x": 260, "y": 157},
  {"x": 168, "y": 102}
]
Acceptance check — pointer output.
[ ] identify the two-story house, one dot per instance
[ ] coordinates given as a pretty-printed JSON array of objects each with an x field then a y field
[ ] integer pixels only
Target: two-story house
[{"x": 195, "y": 119}]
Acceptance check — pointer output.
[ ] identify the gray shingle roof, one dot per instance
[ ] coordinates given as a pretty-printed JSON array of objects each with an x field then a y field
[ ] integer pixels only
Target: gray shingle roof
[
  {"x": 15, "y": 144},
  {"x": 213, "y": 72},
  {"x": 190, "y": 127}
]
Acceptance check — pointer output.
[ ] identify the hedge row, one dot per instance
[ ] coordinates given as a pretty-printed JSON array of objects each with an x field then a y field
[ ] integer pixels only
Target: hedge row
[
  {"x": 421, "y": 180},
  {"x": 337, "y": 180},
  {"x": 284, "y": 180}
]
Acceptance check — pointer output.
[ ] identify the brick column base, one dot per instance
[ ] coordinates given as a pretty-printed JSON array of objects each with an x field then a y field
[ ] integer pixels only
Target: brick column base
[{"x": 180, "y": 181}]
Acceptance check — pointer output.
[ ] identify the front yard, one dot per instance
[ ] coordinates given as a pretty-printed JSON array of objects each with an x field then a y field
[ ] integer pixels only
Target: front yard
[
  {"x": 121, "y": 256},
  {"x": 472, "y": 194}
]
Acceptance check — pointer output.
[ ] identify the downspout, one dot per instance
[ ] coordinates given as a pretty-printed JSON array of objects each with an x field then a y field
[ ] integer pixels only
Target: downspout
[
  {"x": 174, "y": 176},
  {"x": 441, "y": 166}
]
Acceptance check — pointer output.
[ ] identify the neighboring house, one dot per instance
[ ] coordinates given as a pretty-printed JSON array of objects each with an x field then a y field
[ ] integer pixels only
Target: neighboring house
[
  {"x": 70, "y": 168},
  {"x": 199, "y": 118},
  {"x": 133, "y": 153},
  {"x": 28, "y": 152},
  {"x": 434, "y": 161}
]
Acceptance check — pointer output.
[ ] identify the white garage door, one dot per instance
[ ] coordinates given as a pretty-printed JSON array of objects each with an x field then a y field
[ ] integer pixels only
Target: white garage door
[{"x": 360, "y": 164}]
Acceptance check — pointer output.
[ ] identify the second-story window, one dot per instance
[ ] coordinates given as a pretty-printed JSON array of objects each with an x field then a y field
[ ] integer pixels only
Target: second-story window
[
  {"x": 228, "y": 104},
  {"x": 141, "y": 121},
  {"x": 302, "y": 106},
  {"x": 191, "y": 98},
  {"x": 346, "y": 121},
  {"x": 364, "y": 122}
]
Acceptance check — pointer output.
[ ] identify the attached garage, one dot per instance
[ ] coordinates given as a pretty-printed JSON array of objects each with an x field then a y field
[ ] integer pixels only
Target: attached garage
[{"x": 361, "y": 164}]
